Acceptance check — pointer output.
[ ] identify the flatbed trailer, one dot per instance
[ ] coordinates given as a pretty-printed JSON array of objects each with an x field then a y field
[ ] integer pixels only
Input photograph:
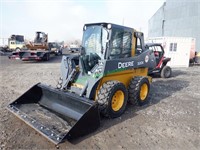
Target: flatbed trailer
[
  {"x": 37, "y": 55},
  {"x": 29, "y": 55}
]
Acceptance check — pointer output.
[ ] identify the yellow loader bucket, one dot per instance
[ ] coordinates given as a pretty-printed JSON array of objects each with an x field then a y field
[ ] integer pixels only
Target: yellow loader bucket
[{"x": 55, "y": 114}]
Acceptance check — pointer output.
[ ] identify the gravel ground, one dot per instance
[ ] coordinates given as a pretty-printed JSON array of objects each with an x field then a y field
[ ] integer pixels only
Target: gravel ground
[{"x": 170, "y": 121}]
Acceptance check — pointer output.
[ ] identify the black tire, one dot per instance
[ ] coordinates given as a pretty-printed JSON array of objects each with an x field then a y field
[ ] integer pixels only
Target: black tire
[
  {"x": 106, "y": 99},
  {"x": 197, "y": 59},
  {"x": 59, "y": 54},
  {"x": 166, "y": 72},
  {"x": 46, "y": 56},
  {"x": 135, "y": 88},
  {"x": 17, "y": 49}
]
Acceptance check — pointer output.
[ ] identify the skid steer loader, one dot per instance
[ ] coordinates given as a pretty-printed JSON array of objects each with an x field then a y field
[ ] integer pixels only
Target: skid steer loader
[{"x": 111, "y": 70}]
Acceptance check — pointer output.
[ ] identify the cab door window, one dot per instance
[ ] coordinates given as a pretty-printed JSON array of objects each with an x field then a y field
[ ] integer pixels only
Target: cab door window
[
  {"x": 120, "y": 44},
  {"x": 138, "y": 46}
]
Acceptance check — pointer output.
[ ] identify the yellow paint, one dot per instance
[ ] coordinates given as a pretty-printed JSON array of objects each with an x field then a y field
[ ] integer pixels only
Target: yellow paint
[
  {"x": 117, "y": 100},
  {"x": 144, "y": 91},
  {"x": 123, "y": 77},
  {"x": 133, "y": 44}
]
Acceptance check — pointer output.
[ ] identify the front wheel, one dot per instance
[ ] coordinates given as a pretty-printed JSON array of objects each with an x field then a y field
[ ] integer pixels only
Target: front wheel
[{"x": 112, "y": 98}]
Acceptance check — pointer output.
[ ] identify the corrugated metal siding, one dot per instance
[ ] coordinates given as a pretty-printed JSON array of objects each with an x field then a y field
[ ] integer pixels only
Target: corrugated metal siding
[{"x": 182, "y": 18}]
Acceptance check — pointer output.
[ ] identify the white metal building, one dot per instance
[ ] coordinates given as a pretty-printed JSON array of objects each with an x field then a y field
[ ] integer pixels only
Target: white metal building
[{"x": 179, "y": 49}]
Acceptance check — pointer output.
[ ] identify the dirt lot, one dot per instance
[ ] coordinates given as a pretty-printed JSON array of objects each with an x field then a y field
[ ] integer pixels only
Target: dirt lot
[{"x": 170, "y": 121}]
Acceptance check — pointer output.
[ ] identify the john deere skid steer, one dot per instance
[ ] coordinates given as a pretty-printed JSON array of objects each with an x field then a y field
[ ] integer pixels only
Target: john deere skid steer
[{"x": 110, "y": 71}]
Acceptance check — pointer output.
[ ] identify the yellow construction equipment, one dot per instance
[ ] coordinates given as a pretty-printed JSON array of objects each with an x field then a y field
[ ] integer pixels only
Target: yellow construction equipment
[{"x": 111, "y": 70}]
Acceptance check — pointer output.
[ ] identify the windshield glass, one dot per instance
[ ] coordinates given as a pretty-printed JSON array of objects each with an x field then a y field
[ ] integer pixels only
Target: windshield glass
[{"x": 94, "y": 40}]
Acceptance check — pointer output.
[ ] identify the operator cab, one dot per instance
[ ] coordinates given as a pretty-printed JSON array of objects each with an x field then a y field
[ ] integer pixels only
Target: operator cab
[
  {"x": 106, "y": 41},
  {"x": 40, "y": 37},
  {"x": 157, "y": 50}
]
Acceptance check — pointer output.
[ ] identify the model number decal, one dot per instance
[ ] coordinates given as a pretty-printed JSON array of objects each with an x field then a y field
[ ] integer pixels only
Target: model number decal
[{"x": 140, "y": 63}]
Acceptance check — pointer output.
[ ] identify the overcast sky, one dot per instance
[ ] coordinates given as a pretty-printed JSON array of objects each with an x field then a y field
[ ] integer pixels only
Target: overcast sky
[{"x": 64, "y": 19}]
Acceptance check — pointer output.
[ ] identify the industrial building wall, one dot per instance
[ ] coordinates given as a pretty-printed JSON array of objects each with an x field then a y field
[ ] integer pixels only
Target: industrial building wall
[
  {"x": 179, "y": 18},
  {"x": 156, "y": 23}
]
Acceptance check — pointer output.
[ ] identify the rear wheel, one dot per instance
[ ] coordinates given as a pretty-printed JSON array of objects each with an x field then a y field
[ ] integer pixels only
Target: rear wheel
[
  {"x": 138, "y": 90},
  {"x": 112, "y": 98},
  {"x": 166, "y": 72},
  {"x": 47, "y": 56}
]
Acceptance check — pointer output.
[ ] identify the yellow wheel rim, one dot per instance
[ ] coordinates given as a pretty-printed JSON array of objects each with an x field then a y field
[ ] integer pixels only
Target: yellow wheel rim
[
  {"x": 117, "y": 100},
  {"x": 143, "y": 91}
]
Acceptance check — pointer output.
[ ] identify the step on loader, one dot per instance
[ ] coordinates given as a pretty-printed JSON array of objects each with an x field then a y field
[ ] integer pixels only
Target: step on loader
[{"x": 111, "y": 70}]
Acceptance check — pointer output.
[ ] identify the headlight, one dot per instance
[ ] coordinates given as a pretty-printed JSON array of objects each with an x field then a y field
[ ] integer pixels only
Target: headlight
[{"x": 109, "y": 26}]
